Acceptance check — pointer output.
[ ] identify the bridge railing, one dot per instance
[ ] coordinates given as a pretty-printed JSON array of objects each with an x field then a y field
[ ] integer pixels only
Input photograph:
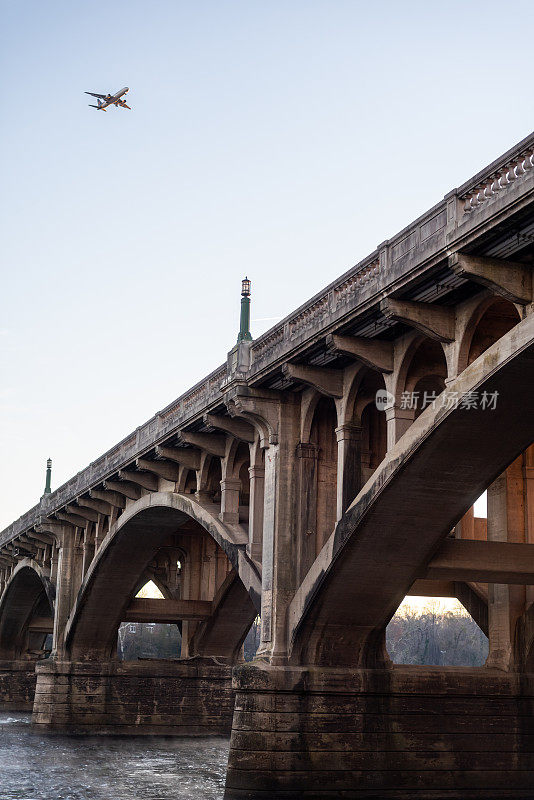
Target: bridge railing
[
  {"x": 415, "y": 243},
  {"x": 508, "y": 169}
]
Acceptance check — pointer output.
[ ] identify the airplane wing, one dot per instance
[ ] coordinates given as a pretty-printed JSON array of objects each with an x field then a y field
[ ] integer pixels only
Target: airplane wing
[{"x": 102, "y": 96}]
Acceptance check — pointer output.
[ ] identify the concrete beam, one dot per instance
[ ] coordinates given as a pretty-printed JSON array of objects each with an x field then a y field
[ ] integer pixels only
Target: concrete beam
[
  {"x": 41, "y": 625},
  {"x": 149, "y": 482},
  {"x": 157, "y": 610},
  {"x": 374, "y": 353},
  {"x": 164, "y": 469},
  {"x": 130, "y": 490},
  {"x": 424, "y": 588},
  {"x": 482, "y": 562},
  {"x": 113, "y": 498},
  {"x": 437, "y": 322},
  {"x": 86, "y": 513},
  {"x": 212, "y": 443},
  {"x": 238, "y": 428},
  {"x": 184, "y": 456},
  {"x": 510, "y": 279},
  {"x": 260, "y": 407},
  {"x": 100, "y": 506},
  {"x": 25, "y": 537},
  {"x": 52, "y": 526},
  {"x": 45, "y": 538},
  {"x": 326, "y": 381},
  {"x": 72, "y": 519},
  {"x": 22, "y": 548}
]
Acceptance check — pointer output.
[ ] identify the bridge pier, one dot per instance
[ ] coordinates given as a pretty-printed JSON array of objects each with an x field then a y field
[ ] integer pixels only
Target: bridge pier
[
  {"x": 417, "y": 732},
  {"x": 17, "y": 685},
  {"x": 190, "y": 697}
]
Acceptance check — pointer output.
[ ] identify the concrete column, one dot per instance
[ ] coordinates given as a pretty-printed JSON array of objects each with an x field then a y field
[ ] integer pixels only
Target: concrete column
[
  {"x": 349, "y": 465},
  {"x": 307, "y": 457},
  {"x": 505, "y": 603},
  {"x": 528, "y": 478},
  {"x": 78, "y": 561},
  {"x": 230, "y": 500},
  {"x": 101, "y": 527},
  {"x": 203, "y": 493},
  {"x": 255, "y": 514},
  {"x": 88, "y": 551},
  {"x": 269, "y": 516},
  {"x": 279, "y": 574},
  {"x": 203, "y": 496},
  {"x": 64, "y": 586},
  {"x": 465, "y": 529},
  {"x": 54, "y": 555},
  {"x": 398, "y": 421}
]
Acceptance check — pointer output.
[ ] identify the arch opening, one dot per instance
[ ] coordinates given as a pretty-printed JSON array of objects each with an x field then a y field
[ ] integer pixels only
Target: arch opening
[
  {"x": 26, "y": 616},
  {"x": 425, "y": 373},
  {"x": 372, "y": 420},
  {"x": 194, "y": 582},
  {"x": 499, "y": 318},
  {"x": 374, "y": 439},
  {"x": 435, "y": 631},
  {"x": 213, "y": 481},
  {"x": 143, "y": 640}
]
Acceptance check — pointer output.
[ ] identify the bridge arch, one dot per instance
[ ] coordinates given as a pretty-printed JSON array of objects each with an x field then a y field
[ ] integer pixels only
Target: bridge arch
[
  {"x": 423, "y": 358},
  {"x": 422, "y": 372},
  {"x": 115, "y": 573},
  {"x": 491, "y": 317},
  {"x": 29, "y": 595},
  {"x": 415, "y": 498}
]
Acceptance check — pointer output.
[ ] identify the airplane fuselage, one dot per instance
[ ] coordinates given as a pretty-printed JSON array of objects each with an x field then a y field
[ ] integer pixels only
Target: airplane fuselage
[
  {"x": 105, "y": 100},
  {"x": 112, "y": 98}
]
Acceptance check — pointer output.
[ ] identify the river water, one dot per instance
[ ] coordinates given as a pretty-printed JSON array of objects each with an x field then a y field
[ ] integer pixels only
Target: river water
[{"x": 36, "y": 767}]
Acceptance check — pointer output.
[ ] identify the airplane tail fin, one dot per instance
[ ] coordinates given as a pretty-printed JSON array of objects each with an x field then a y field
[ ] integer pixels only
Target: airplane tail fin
[{"x": 99, "y": 107}]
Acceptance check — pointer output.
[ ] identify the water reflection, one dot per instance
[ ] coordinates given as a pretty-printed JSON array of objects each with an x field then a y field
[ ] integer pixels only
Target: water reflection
[{"x": 36, "y": 767}]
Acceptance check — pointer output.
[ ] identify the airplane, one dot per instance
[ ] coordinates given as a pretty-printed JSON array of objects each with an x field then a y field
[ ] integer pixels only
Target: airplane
[{"x": 105, "y": 100}]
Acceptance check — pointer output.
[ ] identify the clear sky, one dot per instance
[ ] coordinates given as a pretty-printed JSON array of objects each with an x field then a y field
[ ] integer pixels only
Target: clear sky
[{"x": 283, "y": 140}]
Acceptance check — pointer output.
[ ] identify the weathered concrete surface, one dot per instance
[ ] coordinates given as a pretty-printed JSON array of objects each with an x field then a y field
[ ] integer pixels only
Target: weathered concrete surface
[
  {"x": 424, "y": 732},
  {"x": 192, "y": 697},
  {"x": 17, "y": 685}
]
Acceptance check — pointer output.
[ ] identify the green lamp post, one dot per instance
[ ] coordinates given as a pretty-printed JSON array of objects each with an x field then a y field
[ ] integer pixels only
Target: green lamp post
[
  {"x": 244, "y": 325},
  {"x": 48, "y": 476}
]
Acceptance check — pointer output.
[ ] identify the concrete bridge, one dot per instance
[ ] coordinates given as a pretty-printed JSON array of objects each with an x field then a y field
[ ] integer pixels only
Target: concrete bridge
[{"x": 325, "y": 471}]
